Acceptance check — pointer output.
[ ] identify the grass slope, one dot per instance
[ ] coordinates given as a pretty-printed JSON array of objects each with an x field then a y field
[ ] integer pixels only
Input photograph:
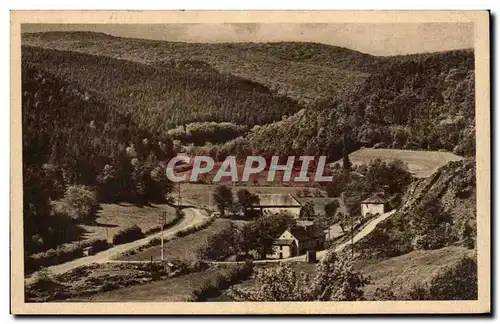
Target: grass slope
[
  {"x": 112, "y": 218},
  {"x": 181, "y": 248}
]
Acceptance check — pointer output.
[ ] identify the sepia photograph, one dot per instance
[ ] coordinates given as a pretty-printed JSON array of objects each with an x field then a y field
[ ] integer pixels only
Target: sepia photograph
[{"x": 267, "y": 163}]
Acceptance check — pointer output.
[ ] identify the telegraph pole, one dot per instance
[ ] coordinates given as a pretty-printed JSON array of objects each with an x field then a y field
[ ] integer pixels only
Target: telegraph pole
[
  {"x": 163, "y": 219},
  {"x": 352, "y": 235},
  {"x": 179, "y": 196}
]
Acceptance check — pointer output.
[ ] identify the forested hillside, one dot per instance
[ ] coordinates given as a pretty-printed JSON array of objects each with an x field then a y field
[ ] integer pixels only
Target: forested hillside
[
  {"x": 422, "y": 102},
  {"x": 303, "y": 71},
  {"x": 162, "y": 96},
  {"x": 74, "y": 137}
]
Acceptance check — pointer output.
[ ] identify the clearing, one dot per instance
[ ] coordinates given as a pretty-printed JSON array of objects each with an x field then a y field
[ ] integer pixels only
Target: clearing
[
  {"x": 201, "y": 194},
  {"x": 112, "y": 218},
  {"x": 181, "y": 248},
  {"x": 421, "y": 163}
]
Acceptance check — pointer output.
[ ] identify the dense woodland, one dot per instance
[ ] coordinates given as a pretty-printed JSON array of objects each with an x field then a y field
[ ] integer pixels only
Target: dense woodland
[
  {"x": 303, "y": 71},
  {"x": 162, "y": 96},
  {"x": 71, "y": 137},
  {"x": 422, "y": 102}
]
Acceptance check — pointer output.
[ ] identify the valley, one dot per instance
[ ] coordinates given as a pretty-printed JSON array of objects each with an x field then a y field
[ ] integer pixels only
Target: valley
[{"x": 103, "y": 115}]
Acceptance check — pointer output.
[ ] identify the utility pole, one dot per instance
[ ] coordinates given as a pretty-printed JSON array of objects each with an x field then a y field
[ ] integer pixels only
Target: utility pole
[
  {"x": 163, "y": 219},
  {"x": 179, "y": 196},
  {"x": 352, "y": 235}
]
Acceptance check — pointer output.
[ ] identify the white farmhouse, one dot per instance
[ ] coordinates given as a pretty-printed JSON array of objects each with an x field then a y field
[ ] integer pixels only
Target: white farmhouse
[
  {"x": 375, "y": 205},
  {"x": 298, "y": 240}
]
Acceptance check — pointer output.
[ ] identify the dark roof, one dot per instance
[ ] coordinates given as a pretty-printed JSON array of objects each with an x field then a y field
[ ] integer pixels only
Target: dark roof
[
  {"x": 283, "y": 242},
  {"x": 306, "y": 233},
  {"x": 377, "y": 198},
  {"x": 275, "y": 200}
]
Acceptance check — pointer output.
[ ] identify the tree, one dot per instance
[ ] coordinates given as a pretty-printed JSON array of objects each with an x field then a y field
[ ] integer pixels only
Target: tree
[
  {"x": 336, "y": 280},
  {"x": 430, "y": 222},
  {"x": 223, "y": 198},
  {"x": 260, "y": 234},
  {"x": 80, "y": 203},
  {"x": 220, "y": 245},
  {"x": 346, "y": 162},
  {"x": 247, "y": 200},
  {"x": 468, "y": 235},
  {"x": 330, "y": 211},
  {"x": 342, "y": 220},
  {"x": 307, "y": 211}
]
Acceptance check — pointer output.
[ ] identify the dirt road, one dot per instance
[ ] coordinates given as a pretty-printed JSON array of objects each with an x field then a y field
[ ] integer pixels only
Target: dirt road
[
  {"x": 320, "y": 254},
  {"x": 192, "y": 217}
]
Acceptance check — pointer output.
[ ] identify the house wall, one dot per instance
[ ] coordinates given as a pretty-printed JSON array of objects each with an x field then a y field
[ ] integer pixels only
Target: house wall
[
  {"x": 294, "y": 211},
  {"x": 286, "y": 252},
  {"x": 372, "y": 209}
]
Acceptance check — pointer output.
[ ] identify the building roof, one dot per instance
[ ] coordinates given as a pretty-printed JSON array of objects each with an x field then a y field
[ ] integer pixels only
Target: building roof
[
  {"x": 277, "y": 200},
  {"x": 286, "y": 242},
  {"x": 306, "y": 233},
  {"x": 377, "y": 198}
]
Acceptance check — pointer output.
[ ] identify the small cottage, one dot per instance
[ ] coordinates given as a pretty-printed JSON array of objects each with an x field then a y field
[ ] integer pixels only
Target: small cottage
[
  {"x": 298, "y": 240},
  {"x": 376, "y": 204}
]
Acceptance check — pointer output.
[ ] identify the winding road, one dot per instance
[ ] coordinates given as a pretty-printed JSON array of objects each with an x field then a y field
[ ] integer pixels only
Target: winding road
[{"x": 192, "y": 217}]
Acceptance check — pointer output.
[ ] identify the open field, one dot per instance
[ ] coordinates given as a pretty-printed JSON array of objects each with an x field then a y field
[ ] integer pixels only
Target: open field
[
  {"x": 421, "y": 163},
  {"x": 112, "y": 218},
  {"x": 182, "y": 248},
  {"x": 176, "y": 289},
  {"x": 201, "y": 194}
]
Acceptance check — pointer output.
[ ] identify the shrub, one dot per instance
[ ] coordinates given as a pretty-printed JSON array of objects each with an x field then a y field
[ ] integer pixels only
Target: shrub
[
  {"x": 458, "y": 282},
  {"x": 195, "y": 228},
  {"x": 384, "y": 293},
  {"x": 178, "y": 216},
  {"x": 127, "y": 235},
  {"x": 52, "y": 257},
  {"x": 62, "y": 254},
  {"x": 79, "y": 203},
  {"x": 99, "y": 245},
  {"x": 221, "y": 282}
]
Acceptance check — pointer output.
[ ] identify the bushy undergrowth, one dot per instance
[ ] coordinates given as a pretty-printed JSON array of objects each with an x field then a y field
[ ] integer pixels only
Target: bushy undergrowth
[
  {"x": 62, "y": 254},
  {"x": 214, "y": 288},
  {"x": 127, "y": 235}
]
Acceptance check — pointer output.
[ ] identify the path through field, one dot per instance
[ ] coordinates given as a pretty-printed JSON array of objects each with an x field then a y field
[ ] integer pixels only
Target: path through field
[{"x": 192, "y": 216}]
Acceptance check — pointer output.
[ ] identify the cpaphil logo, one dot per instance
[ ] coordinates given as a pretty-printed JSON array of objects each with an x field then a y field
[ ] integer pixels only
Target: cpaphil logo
[{"x": 297, "y": 170}]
